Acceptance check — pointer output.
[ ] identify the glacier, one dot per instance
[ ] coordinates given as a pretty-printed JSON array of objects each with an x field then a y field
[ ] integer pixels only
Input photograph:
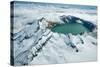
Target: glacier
[{"x": 34, "y": 43}]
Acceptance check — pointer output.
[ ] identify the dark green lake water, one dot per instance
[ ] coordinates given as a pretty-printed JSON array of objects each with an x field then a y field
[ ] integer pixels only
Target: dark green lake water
[{"x": 74, "y": 28}]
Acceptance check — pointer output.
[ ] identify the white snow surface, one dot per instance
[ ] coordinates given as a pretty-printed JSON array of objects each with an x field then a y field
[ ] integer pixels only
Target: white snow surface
[{"x": 57, "y": 51}]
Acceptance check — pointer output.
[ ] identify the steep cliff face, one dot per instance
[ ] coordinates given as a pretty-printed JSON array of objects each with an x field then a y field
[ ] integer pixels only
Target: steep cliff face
[{"x": 37, "y": 44}]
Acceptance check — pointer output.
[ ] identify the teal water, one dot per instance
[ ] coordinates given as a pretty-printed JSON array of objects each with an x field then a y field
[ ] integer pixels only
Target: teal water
[{"x": 74, "y": 28}]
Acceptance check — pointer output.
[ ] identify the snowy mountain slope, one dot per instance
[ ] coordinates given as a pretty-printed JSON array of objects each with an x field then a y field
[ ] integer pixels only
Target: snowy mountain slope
[
  {"x": 57, "y": 51},
  {"x": 26, "y": 39},
  {"x": 36, "y": 44}
]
